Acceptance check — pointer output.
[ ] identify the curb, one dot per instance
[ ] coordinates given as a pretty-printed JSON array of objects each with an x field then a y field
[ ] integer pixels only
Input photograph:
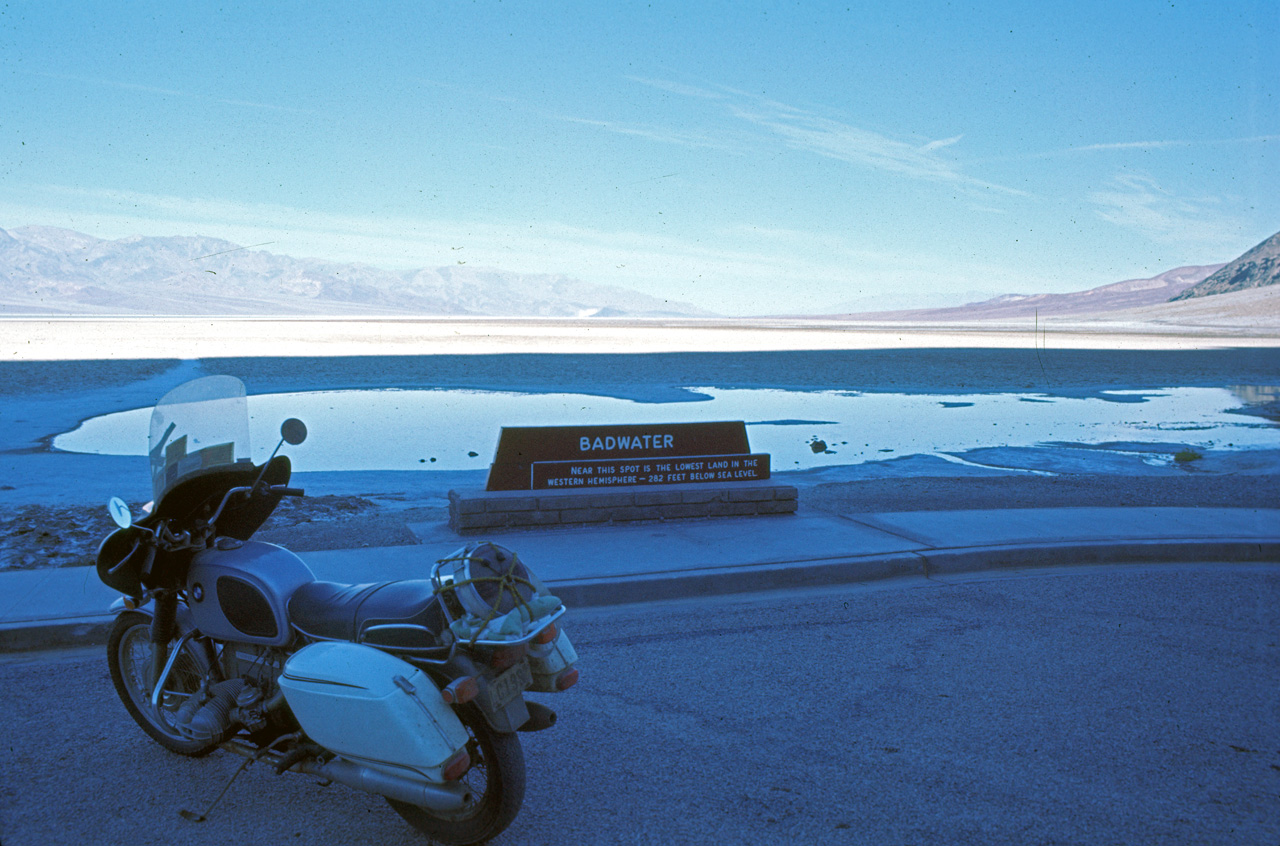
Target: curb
[
  {"x": 55, "y": 634},
  {"x": 1085, "y": 553},
  {"x": 785, "y": 575},
  {"x": 752, "y": 578},
  {"x": 851, "y": 570}
]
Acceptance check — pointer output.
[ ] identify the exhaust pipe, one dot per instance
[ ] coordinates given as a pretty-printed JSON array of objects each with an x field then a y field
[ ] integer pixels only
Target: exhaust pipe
[
  {"x": 444, "y": 798},
  {"x": 450, "y": 797},
  {"x": 540, "y": 717}
]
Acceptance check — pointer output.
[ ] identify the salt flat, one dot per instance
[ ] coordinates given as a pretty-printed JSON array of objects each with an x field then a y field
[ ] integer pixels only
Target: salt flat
[{"x": 107, "y": 338}]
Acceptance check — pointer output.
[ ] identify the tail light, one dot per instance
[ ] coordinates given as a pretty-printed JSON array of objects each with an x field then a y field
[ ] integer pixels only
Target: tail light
[
  {"x": 546, "y": 635},
  {"x": 567, "y": 679}
]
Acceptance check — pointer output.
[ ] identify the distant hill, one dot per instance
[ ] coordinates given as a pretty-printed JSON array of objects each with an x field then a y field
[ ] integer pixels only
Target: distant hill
[
  {"x": 1132, "y": 293},
  {"x": 46, "y": 270},
  {"x": 1256, "y": 310},
  {"x": 1255, "y": 269}
]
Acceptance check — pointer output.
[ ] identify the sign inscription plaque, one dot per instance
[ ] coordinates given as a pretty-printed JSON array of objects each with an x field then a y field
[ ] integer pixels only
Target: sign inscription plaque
[
  {"x": 649, "y": 471},
  {"x": 581, "y": 457}
]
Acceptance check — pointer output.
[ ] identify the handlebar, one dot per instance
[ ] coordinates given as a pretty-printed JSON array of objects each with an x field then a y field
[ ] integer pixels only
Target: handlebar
[
  {"x": 161, "y": 537},
  {"x": 248, "y": 490}
]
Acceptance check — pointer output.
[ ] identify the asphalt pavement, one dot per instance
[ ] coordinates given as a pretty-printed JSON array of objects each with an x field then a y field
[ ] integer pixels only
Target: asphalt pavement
[
  {"x": 1098, "y": 704},
  {"x": 619, "y": 564}
]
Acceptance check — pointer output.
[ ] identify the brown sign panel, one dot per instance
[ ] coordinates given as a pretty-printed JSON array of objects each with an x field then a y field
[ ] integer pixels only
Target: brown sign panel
[
  {"x": 581, "y": 475},
  {"x": 520, "y": 447}
]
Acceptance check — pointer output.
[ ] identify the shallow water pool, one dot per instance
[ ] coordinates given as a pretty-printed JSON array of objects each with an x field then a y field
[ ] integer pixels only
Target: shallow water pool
[{"x": 458, "y": 429}]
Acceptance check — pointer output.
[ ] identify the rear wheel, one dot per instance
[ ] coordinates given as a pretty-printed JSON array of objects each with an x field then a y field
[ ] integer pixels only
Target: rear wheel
[
  {"x": 496, "y": 780},
  {"x": 129, "y": 651}
]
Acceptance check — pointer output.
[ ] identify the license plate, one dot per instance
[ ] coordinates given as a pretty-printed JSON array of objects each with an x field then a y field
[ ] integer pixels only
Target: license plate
[{"x": 510, "y": 684}]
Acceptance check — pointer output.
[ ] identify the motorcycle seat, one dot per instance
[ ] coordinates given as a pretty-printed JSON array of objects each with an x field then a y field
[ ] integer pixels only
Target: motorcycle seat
[{"x": 401, "y": 614}]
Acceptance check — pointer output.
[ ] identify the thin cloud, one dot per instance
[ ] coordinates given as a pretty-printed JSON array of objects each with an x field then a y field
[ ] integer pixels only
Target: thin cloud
[
  {"x": 677, "y": 88},
  {"x": 169, "y": 92},
  {"x": 1157, "y": 144},
  {"x": 1128, "y": 145},
  {"x": 938, "y": 145},
  {"x": 809, "y": 132},
  {"x": 653, "y": 133},
  {"x": 1140, "y": 204},
  {"x": 847, "y": 143}
]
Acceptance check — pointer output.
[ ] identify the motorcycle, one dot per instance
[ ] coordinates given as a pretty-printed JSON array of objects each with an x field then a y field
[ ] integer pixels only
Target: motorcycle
[{"x": 413, "y": 690}]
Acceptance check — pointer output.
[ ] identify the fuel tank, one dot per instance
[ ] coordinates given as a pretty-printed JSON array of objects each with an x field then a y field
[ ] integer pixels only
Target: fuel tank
[
  {"x": 371, "y": 707},
  {"x": 239, "y": 590}
]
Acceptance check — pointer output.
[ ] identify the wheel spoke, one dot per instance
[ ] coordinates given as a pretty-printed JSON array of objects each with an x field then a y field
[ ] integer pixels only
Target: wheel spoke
[
  {"x": 129, "y": 655},
  {"x": 496, "y": 783}
]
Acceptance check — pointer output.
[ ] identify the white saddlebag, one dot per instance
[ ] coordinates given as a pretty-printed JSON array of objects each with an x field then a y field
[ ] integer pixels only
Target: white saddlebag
[{"x": 371, "y": 707}]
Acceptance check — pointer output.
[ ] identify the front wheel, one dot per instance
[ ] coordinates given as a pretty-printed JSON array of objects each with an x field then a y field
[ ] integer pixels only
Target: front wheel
[
  {"x": 129, "y": 650},
  {"x": 496, "y": 779}
]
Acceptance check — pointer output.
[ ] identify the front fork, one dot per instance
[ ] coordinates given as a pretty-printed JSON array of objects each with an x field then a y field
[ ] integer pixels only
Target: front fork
[
  {"x": 163, "y": 623},
  {"x": 163, "y": 627}
]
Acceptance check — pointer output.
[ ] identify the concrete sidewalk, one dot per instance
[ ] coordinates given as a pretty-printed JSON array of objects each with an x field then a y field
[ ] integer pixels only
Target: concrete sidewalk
[{"x": 610, "y": 565}]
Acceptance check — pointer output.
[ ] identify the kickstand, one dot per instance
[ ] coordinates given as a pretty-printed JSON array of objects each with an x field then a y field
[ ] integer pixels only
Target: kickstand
[{"x": 194, "y": 817}]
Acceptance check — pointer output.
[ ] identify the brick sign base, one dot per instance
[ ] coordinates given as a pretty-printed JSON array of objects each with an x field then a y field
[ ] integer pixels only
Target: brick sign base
[{"x": 479, "y": 511}]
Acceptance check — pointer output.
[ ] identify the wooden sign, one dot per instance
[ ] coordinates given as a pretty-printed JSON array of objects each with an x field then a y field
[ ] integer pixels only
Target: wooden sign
[{"x": 534, "y": 457}]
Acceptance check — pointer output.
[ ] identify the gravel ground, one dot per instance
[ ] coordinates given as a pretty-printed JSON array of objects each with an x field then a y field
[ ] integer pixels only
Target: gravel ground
[{"x": 38, "y": 536}]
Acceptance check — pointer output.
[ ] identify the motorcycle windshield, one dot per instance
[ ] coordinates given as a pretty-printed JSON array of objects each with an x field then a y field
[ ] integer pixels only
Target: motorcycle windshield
[{"x": 198, "y": 426}]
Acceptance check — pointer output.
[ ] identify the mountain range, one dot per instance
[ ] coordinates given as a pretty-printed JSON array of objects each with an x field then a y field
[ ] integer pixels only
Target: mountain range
[
  {"x": 1255, "y": 269},
  {"x": 47, "y": 270},
  {"x": 1131, "y": 293}
]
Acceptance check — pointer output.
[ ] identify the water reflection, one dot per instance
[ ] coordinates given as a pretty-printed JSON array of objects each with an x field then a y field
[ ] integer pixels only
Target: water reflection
[
  {"x": 1259, "y": 400},
  {"x": 458, "y": 429}
]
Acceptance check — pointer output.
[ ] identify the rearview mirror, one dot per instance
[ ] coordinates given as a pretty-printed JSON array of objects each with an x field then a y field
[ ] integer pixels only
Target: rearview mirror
[
  {"x": 120, "y": 512},
  {"x": 294, "y": 431}
]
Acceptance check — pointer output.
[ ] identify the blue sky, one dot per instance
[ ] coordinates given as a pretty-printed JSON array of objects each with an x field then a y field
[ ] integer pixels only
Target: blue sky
[{"x": 746, "y": 157}]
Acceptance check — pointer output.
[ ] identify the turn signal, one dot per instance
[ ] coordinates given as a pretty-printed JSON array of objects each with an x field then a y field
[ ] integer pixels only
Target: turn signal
[
  {"x": 546, "y": 635},
  {"x": 461, "y": 691},
  {"x": 567, "y": 679},
  {"x": 457, "y": 766}
]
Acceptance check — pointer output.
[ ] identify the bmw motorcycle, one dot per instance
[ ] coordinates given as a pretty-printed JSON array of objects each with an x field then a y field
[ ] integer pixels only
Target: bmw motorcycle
[{"x": 413, "y": 690}]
